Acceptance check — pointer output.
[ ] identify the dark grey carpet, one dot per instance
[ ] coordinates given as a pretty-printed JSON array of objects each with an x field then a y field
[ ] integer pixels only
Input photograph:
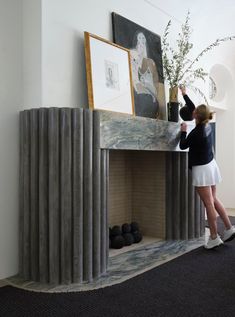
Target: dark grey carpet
[
  {"x": 199, "y": 283},
  {"x": 220, "y": 224}
]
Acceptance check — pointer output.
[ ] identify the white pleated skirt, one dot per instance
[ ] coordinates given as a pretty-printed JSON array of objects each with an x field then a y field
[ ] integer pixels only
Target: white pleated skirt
[{"x": 206, "y": 175}]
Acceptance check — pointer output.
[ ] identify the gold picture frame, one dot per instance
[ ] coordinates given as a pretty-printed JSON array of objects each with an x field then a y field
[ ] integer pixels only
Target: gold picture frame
[{"x": 109, "y": 76}]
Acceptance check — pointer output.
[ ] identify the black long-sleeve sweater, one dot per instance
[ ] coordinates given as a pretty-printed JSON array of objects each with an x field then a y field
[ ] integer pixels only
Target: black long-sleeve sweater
[{"x": 199, "y": 141}]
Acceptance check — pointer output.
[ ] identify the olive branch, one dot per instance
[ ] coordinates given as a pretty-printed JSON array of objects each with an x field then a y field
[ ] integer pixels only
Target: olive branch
[{"x": 178, "y": 68}]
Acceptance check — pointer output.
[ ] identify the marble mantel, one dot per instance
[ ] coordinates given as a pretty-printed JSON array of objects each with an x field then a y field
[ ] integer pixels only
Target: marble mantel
[{"x": 126, "y": 132}]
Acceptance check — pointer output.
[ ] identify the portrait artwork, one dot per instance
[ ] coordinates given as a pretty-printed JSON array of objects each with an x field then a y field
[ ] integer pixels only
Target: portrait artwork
[{"x": 146, "y": 63}]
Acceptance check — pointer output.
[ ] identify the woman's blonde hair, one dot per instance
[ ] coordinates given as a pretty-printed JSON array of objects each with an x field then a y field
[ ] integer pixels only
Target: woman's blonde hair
[{"x": 203, "y": 114}]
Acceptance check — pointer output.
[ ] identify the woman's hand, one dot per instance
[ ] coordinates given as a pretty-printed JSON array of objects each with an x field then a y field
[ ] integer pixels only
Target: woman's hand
[
  {"x": 183, "y": 127},
  {"x": 182, "y": 89}
]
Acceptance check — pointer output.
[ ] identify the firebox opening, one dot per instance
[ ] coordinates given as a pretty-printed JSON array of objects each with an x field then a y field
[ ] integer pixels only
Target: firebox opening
[{"x": 137, "y": 191}]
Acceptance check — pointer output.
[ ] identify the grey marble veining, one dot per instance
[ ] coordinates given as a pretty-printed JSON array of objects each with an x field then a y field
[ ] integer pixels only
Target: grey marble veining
[
  {"x": 122, "y": 266},
  {"x": 127, "y": 132}
]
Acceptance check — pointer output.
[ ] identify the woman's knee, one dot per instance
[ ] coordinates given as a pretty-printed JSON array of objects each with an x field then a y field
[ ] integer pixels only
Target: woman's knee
[
  {"x": 209, "y": 204},
  {"x": 213, "y": 191},
  {"x": 206, "y": 195},
  {"x": 208, "y": 200}
]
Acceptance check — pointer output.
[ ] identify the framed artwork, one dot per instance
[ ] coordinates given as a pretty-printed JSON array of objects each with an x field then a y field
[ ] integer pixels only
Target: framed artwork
[
  {"x": 108, "y": 75},
  {"x": 147, "y": 69}
]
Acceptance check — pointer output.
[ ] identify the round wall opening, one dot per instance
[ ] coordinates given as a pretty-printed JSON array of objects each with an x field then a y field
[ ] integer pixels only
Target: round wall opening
[{"x": 219, "y": 82}]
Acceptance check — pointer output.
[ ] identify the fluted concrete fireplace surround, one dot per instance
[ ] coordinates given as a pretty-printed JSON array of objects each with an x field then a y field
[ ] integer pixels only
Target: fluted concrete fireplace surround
[{"x": 65, "y": 156}]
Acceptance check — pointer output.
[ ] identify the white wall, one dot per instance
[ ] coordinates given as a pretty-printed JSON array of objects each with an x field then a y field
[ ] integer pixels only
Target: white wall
[
  {"x": 32, "y": 53},
  {"x": 42, "y": 64},
  {"x": 64, "y": 23},
  {"x": 10, "y": 103},
  {"x": 225, "y": 128},
  {"x": 207, "y": 29}
]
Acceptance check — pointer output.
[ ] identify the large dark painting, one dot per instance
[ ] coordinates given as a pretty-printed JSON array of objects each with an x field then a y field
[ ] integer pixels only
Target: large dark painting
[{"x": 146, "y": 62}]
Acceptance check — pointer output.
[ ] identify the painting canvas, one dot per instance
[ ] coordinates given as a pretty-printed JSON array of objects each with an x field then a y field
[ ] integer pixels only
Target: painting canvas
[
  {"x": 146, "y": 62},
  {"x": 108, "y": 75}
]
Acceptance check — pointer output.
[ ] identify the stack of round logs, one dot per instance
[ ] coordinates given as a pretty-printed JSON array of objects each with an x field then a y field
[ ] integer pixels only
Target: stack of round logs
[{"x": 125, "y": 235}]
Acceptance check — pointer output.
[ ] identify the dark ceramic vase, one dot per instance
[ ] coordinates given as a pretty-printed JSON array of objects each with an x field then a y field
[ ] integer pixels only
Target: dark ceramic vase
[{"x": 173, "y": 111}]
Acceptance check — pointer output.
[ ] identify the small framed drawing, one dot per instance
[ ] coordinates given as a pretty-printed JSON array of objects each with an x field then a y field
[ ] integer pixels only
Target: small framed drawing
[{"x": 108, "y": 70}]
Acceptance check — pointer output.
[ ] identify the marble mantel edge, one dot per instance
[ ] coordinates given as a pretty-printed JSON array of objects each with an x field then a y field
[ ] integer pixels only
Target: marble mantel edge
[{"x": 126, "y": 132}]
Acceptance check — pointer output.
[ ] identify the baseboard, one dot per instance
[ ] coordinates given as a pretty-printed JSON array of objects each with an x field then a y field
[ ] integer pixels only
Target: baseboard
[
  {"x": 3, "y": 283},
  {"x": 231, "y": 211}
]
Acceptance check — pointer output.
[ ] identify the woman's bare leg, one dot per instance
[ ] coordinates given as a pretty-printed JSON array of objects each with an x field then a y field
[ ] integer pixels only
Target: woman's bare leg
[
  {"x": 220, "y": 209},
  {"x": 205, "y": 193}
]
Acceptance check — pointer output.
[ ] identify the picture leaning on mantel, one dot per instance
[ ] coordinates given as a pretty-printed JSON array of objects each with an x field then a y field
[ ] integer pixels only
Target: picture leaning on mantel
[
  {"x": 109, "y": 76},
  {"x": 146, "y": 62}
]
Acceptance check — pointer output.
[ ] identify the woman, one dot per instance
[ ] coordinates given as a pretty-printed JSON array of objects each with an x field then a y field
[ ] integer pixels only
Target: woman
[{"x": 205, "y": 172}]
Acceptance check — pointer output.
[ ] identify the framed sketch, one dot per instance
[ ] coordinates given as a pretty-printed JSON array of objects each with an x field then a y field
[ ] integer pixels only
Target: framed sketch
[
  {"x": 147, "y": 69},
  {"x": 108, "y": 75}
]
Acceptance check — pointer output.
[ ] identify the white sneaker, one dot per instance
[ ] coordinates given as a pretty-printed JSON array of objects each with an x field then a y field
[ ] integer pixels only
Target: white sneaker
[
  {"x": 229, "y": 234},
  {"x": 213, "y": 243}
]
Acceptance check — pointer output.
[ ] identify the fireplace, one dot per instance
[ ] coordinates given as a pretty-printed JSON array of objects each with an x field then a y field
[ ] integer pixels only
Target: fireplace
[{"x": 69, "y": 192}]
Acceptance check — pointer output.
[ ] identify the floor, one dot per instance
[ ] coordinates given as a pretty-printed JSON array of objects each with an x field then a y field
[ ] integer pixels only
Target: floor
[{"x": 124, "y": 263}]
